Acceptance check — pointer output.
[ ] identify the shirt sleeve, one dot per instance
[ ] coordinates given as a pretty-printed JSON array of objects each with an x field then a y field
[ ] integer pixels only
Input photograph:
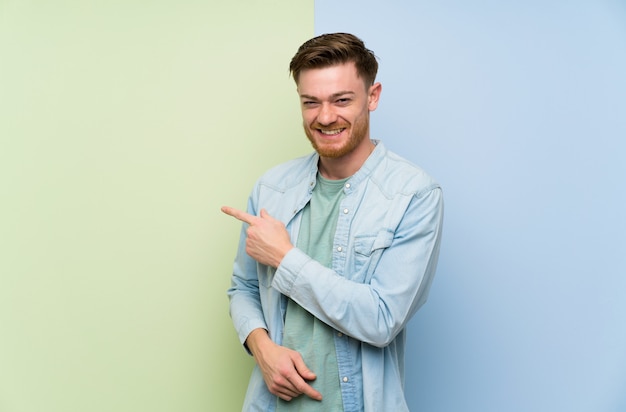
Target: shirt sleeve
[{"x": 376, "y": 311}]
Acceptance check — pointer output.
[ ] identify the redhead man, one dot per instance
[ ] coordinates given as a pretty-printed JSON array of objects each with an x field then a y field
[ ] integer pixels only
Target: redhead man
[{"x": 338, "y": 250}]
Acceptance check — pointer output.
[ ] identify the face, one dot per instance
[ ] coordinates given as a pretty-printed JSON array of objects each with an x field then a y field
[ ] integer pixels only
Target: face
[{"x": 335, "y": 105}]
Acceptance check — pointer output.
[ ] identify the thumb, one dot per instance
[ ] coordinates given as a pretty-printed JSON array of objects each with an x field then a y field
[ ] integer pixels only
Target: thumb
[{"x": 264, "y": 213}]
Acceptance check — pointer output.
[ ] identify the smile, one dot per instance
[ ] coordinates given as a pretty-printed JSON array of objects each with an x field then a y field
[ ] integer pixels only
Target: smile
[{"x": 331, "y": 132}]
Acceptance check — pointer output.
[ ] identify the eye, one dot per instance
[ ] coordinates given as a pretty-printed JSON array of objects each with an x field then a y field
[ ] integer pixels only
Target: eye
[
  {"x": 309, "y": 103},
  {"x": 343, "y": 101}
]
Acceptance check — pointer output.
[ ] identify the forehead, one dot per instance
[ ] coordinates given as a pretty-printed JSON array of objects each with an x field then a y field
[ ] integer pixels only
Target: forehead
[{"x": 330, "y": 80}]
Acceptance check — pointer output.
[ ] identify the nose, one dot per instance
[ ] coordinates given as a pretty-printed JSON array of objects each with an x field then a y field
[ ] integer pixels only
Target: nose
[{"x": 326, "y": 115}]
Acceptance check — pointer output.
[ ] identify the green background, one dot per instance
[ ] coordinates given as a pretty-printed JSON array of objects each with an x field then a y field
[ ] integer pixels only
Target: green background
[{"x": 124, "y": 126}]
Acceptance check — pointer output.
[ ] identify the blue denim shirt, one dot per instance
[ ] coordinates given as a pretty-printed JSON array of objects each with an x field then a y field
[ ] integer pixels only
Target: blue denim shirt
[{"x": 384, "y": 258}]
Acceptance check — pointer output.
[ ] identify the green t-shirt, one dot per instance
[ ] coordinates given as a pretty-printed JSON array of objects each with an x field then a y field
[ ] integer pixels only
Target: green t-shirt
[{"x": 303, "y": 332}]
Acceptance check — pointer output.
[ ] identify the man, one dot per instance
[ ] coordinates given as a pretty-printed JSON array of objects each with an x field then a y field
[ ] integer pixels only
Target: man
[{"x": 338, "y": 250}]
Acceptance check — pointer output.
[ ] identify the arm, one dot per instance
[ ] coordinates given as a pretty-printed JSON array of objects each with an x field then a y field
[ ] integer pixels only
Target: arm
[
  {"x": 375, "y": 311},
  {"x": 284, "y": 371}
]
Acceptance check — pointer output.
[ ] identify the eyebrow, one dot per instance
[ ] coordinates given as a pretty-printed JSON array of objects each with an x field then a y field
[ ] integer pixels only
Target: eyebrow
[{"x": 332, "y": 96}]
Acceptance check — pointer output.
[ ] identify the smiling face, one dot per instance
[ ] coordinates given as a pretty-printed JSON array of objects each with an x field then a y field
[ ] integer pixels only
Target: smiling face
[{"x": 335, "y": 104}]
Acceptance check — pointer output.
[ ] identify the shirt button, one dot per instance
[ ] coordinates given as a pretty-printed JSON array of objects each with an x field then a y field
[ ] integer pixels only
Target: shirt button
[
  {"x": 345, "y": 211},
  {"x": 339, "y": 249},
  {"x": 347, "y": 185},
  {"x": 345, "y": 379},
  {"x": 339, "y": 334}
]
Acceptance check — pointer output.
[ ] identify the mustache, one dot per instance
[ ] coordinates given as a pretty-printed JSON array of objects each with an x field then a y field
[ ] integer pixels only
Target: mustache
[{"x": 331, "y": 126}]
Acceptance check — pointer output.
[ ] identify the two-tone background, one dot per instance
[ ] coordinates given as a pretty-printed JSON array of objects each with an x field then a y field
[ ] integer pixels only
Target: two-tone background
[{"x": 124, "y": 126}]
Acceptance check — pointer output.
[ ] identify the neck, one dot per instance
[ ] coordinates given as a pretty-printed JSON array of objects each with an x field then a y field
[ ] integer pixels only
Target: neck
[{"x": 345, "y": 166}]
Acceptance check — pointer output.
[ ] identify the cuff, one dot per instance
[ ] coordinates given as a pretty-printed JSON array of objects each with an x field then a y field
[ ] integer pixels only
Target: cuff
[{"x": 288, "y": 271}]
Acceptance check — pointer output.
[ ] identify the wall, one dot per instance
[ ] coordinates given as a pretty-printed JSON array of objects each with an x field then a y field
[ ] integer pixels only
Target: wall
[
  {"x": 517, "y": 108},
  {"x": 124, "y": 126}
]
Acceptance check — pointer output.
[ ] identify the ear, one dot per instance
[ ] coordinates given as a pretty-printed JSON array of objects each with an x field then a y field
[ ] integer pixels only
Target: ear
[{"x": 373, "y": 96}]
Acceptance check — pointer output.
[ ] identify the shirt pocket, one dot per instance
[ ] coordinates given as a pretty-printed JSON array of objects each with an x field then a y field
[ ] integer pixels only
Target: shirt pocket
[{"x": 368, "y": 249}]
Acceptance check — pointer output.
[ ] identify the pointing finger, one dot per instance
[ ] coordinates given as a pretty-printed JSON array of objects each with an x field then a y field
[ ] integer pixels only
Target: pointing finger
[{"x": 238, "y": 214}]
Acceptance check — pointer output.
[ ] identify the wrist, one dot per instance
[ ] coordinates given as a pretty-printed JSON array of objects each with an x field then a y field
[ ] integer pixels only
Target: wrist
[
  {"x": 282, "y": 255},
  {"x": 256, "y": 340}
]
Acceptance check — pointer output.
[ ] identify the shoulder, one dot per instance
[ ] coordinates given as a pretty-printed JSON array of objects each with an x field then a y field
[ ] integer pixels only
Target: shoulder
[
  {"x": 396, "y": 174},
  {"x": 290, "y": 173}
]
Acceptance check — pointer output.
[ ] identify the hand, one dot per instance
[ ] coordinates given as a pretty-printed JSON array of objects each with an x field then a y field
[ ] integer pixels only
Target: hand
[
  {"x": 268, "y": 241},
  {"x": 283, "y": 369}
]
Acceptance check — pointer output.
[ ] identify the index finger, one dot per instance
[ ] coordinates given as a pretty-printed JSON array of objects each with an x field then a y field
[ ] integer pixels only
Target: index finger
[
  {"x": 303, "y": 387},
  {"x": 238, "y": 214}
]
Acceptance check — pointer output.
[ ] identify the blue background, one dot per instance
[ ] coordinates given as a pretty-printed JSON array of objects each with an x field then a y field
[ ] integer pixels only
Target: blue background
[{"x": 519, "y": 110}]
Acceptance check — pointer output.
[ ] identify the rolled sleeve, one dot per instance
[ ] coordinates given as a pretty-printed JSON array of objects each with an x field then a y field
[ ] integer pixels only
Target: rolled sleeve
[{"x": 289, "y": 269}]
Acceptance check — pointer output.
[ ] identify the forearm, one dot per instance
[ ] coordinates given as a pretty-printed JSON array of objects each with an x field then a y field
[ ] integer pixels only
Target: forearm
[
  {"x": 257, "y": 340},
  {"x": 374, "y": 304},
  {"x": 353, "y": 308}
]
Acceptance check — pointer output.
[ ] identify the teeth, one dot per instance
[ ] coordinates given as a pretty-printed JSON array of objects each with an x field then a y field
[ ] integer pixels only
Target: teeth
[{"x": 331, "y": 132}]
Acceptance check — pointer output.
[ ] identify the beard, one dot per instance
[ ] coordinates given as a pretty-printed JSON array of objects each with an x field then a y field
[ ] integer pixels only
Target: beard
[{"x": 357, "y": 134}]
